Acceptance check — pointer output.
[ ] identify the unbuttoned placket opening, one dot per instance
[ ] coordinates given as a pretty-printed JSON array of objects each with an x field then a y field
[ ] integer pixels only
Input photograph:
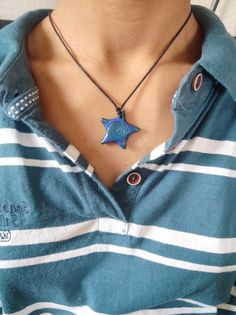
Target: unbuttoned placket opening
[
  {"x": 188, "y": 106},
  {"x": 121, "y": 196}
]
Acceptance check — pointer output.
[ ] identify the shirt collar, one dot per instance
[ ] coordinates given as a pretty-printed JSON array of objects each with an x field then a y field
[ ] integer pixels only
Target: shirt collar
[
  {"x": 17, "y": 83},
  {"x": 218, "y": 49}
]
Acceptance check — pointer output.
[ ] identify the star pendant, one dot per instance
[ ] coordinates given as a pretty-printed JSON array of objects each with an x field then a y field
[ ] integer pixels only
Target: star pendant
[{"x": 118, "y": 130}]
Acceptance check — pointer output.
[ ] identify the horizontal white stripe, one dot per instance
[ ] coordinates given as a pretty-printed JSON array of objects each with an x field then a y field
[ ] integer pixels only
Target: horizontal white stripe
[
  {"x": 196, "y": 144},
  {"x": 50, "y": 234},
  {"x": 194, "y": 302},
  {"x": 72, "y": 153},
  {"x": 109, "y": 225},
  {"x": 13, "y": 136},
  {"x": 19, "y": 161},
  {"x": 89, "y": 170},
  {"x": 233, "y": 291},
  {"x": 205, "y": 145},
  {"x": 184, "y": 239},
  {"x": 177, "y": 310},
  {"x": 170, "y": 236},
  {"x": 109, "y": 248},
  {"x": 194, "y": 168},
  {"x": 228, "y": 307},
  {"x": 158, "y": 151},
  {"x": 85, "y": 310}
]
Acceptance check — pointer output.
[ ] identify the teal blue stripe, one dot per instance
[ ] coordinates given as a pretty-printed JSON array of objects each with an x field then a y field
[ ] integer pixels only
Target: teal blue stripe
[
  {"x": 232, "y": 300},
  {"x": 186, "y": 157},
  {"x": 7, "y": 122},
  {"x": 41, "y": 201},
  {"x": 53, "y": 311},
  {"x": 164, "y": 250},
  {"x": 199, "y": 207},
  {"x": 96, "y": 276},
  {"x": 28, "y": 251},
  {"x": 44, "y": 196},
  {"x": 180, "y": 304},
  {"x": 225, "y": 312}
]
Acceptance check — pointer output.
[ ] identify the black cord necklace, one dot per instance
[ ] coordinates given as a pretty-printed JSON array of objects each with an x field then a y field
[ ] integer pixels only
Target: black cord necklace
[{"x": 117, "y": 129}]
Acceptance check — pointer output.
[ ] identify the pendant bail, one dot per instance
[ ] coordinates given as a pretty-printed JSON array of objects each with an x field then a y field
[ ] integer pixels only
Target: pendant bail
[{"x": 119, "y": 112}]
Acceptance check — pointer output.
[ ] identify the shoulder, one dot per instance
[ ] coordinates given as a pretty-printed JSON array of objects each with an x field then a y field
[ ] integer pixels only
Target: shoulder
[
  {"x": 4, "y": 45},
  {"x": 4, "y": 23}
]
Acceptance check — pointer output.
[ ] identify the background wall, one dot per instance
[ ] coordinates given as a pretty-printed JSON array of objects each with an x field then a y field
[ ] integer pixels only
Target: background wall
[{"x": 10, "y": 9}]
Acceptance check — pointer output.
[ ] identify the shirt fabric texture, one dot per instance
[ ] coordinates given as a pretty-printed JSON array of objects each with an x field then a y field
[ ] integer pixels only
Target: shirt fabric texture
[{"x": 69, "y": 245}]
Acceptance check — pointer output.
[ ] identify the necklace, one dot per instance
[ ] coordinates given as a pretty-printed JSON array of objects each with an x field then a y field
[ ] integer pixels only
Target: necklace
[{"x": 117, "y": 129}]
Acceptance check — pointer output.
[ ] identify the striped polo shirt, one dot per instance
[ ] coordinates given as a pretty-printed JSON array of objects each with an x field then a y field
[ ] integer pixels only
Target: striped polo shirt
[{"x": 161, "y": 240}]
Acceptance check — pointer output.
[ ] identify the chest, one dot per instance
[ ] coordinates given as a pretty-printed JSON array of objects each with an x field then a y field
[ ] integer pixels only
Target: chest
[{"x": 75, "y": 107}]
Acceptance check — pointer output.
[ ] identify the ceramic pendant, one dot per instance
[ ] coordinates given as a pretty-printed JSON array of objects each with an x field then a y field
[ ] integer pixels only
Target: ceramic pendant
[{"x": 118, "y": 130}]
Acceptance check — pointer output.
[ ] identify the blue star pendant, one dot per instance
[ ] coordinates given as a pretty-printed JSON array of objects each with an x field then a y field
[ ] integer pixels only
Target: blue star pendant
[{"x": 118, "y": 130}]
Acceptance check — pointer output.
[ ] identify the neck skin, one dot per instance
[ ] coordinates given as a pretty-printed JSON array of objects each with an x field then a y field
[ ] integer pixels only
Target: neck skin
[{"x": 119, "y": 34}]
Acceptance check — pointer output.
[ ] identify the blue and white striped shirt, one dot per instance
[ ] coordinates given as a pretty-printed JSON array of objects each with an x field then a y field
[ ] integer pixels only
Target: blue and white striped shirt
[{"x": 69, "y": 245}]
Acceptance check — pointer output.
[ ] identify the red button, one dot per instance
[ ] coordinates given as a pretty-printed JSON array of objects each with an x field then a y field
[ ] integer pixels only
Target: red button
[
  {"x": 197, "y": 81},
  {"x": 133, "y": 178}
]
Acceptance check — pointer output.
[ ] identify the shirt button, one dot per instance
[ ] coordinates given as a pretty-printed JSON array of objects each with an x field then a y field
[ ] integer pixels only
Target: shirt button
[
  {"x": 133, "y": 178},
  {"x": 197, "y": 81}
]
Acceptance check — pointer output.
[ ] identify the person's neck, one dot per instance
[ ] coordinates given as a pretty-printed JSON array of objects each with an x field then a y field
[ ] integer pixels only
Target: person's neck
[{"x": 113, "y": 31}]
